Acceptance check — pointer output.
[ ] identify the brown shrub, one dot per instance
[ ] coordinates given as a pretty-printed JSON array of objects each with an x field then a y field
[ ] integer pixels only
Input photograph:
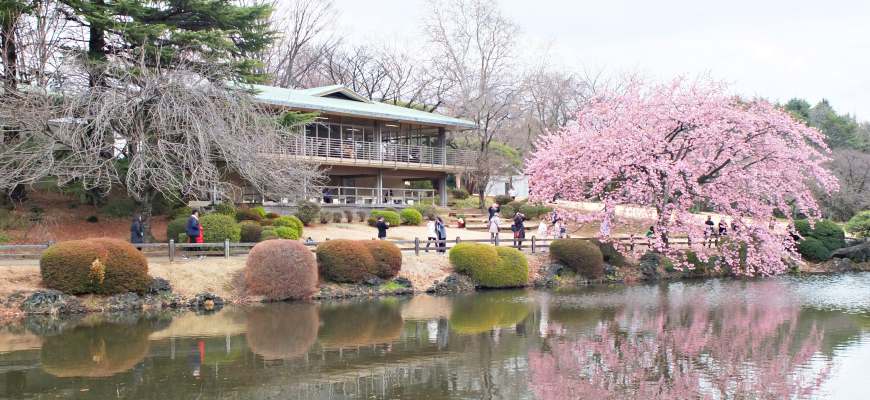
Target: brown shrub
[
  {"x": 126, "y": 268},
  {"x": 66, "y": 266},
  {"x": 581, "y": 255},
  {"x": 387, "y": 256},
  {"x": 281, "y": 269},
  {"x": 344, "y": 260},
  {"x": 282, "y": 331}
]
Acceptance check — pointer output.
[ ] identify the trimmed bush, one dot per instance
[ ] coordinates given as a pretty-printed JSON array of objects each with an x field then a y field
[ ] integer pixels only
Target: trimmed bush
[
  {"x": 307, "y": 212},
  {"x": 336, "y": 217},
  {"x": 859, "y": 225},
  {"x": 268, "y": 234},
  {"x": 218, "y": 227},
  {"x": 580, "y": 255},
  {"x": 287, "y": 232},
  {"x": 260, "y": 211},
  {"x": 119, "y": 207},
  {"x": 510, "y": 209},
  {"x": 280, "y": 270},
  {"x": 272, "y": 215},
  {"x": 411, "y": 216},
  {"x": 460, "y": 194},
  {"x": 324, "y": 219},
  {"x": 344, "y": 260},
  {"x": 250, "y": 231},
  {"x": 362, "y": 215},
  {"x": 534, "y": 211},
  {"x": 247, "y": 214},
  {"x": 348, "y": 215},
  {"x": 225, "y": 208},
  {"x": 813, "y": 249},
  {"x": 468, "y": 257},
  {"x": 426, "y": 210},
  {"x": 288, "y": 220},
  {"x": 827, "y": 232},
  {"x": 490, "y": 266},
  {"x": 611, "y": 255},
  {"x": 101, "y": 266},
  {"x": 502, "y": 199},
  {"x": 387, "y": 256},
  {"x": 176, "y": 226},
  {"x": 391, "y": 217}
]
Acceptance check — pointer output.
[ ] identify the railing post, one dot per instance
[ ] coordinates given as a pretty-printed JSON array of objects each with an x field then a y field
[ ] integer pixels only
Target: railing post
[
  {"x": 458, "y": 240},
  {"x": 417, "y": 246},
  {"x": 496, "y": 238},
  {"x": 171, "y": 250},
  {"x": 226, "y": 248},
  {"x": 533, "y": 244}
]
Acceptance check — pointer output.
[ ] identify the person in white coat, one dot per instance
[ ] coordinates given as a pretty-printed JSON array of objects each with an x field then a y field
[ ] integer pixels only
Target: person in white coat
[
  {"x": 542, "y": 229},
  {"x": 494, "y": 226},
  {"x": 431, "y": 233}
]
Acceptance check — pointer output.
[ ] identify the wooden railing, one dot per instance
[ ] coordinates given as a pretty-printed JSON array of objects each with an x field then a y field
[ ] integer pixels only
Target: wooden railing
[{"x": 379, "y": 153}]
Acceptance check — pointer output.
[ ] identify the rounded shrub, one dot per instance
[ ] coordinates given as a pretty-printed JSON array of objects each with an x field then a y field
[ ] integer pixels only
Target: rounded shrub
[
  {"x": 336, "y": 217},
  {"x": 411, "y": 216},
  {"x": 502, "y": 199},
  {"x": 490, "y": 266},
  {"x": 289, "y": 220},
  {"x": 307, "y": 212},
  {"x": 426, "y": 210},
  {"x": 268, "y": 234},
  {"x": 182, "y": 212},
  {"x": 272, "y": 215},
  {"x": 280, "y": 270},
  {"x": 225, "y": 208},
  {"x": 829, "y": 233},
  {"x": 126, "y": 268},
  {"x": 260, "y": 211},
  {"x": 247, "y": 214},
  {"x": 859, "y": 225},
  {"x": 533, "y": 210},
  {"x": 176, "y": 227},
  {"x": 344, "y": 260},
  {"x": 468, "y": 257},
  {"x": 580, "y": 255},
  {"x": 387, "y": 256},
  {"x": 287, "y": 232},
  {"x": 392, "y": 217},
  {"x": 218, "y": 227},
  {"x": 66, "y": 266},
  {"x": 611, "y": 255},
  {"x": 813, "y": 249},
  {"x": 460, "y": 194},
  {"x": 250, "y": 231}
]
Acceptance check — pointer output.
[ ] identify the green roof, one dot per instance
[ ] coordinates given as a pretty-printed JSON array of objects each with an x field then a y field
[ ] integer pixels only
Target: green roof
[{"x": 350, "y": 103}]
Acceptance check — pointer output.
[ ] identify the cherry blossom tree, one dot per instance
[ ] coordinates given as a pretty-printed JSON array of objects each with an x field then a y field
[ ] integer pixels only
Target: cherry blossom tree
[{"x": 681, "y": 145}]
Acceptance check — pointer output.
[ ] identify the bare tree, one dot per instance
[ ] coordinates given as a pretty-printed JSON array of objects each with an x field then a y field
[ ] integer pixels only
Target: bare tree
[
  {"x": 473, "y": 49},
  {"x": 169, "y": 133},
  {"x": 303, "y": 40},
  {"x": 852, "y": 168}
]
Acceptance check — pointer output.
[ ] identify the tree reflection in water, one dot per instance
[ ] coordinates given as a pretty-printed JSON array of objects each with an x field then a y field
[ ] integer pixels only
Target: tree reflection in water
[{"x": 686, "y": 347}]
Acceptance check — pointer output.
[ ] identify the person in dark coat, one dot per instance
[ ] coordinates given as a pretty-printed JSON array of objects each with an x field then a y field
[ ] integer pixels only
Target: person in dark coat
[
  {"x": 382, "y": 226},
  {"x": 194, "y": 230},
  {"x": 137, "y": 230},
  {"x": 493, "y": 210},
  {"x": 519, "y": 229},
  {"x": 441, "y": 231}
]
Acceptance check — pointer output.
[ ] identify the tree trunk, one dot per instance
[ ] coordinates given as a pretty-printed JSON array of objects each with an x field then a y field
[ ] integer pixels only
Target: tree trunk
[
  {"x": 147, "y": 211},
  {"x": 96, "y": 49},
  {"x": 8, "y": 49}
]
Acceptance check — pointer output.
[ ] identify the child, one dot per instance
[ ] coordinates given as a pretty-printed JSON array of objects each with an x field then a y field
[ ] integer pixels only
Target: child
[{"x": 494, "y": 223}]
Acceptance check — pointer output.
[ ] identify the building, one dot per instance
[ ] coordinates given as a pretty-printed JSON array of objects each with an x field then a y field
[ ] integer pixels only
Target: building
[
  {"x": 502, "y": 185},
  {"x": 373, "y": 153}
]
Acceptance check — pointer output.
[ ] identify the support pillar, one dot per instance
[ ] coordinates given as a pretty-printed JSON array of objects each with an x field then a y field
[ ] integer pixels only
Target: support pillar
[
  {"x": 442, "y": 190},
  {"x": 459, "y": 180},
  {"x": 379, "y": 185}
]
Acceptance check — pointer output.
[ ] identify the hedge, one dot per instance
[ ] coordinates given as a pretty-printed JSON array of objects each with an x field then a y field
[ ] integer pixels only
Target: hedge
[
  {"x": 307, "y": 212},
  {"x": 859, "y": 225},
  {"x": 387, "y": 256},
  {"x": 813, "y": 249},
  {"x": 289, "y": 220},
  {"x": 176, "y": 227},
  {"x": 247, "y": 214},
  {"x": 392, "y": 217},
  {"x": 250, "y": 231},
  {"x": 225, "y": 209},
  {"x": 287, "y": 232},
  {"x": 344, "y": 260},
  {"x": 218, "y": 227},
  {"x": 268, "y": 234},
  {"x": 829, "y": 233},
  {"x": 411, "y": 216},
  {"x": 582, "y": 256},
  {"x": 280, "y": 270},
  {"x": 101, "y": 266},
  {"x": 490, "y": 266}
]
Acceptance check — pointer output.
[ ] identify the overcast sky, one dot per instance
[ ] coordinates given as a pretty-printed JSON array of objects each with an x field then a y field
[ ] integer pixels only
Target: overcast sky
[{"x": 769, "y": 48}]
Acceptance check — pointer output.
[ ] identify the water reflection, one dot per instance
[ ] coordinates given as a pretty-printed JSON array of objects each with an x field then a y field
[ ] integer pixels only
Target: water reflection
[
  {"x": 360, "y": 323},
  {"x": 282, "y": 331},
  {"x": 483, "y": 312}
]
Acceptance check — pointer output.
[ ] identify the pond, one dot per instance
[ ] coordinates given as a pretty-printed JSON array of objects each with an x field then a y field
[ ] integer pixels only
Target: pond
[{"x": 780, "y": 338}]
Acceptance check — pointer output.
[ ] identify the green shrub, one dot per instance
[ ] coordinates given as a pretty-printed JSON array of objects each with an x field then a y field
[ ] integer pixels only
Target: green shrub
[
  {"x": 287, "y": 232},
  {"x": 272, "y": 215},
  {"x": 248, "y": 214},
  {"x": 225, "y": 208},
  {"x": 502, "y": 199},
  {"x": 181, "y": 212},
  {"x": 387, "y": 256},
  {"x": 280, "y": 270},
  {"x": 336, "y": 217},
  {"x": 859, "y": 225},
  {"x": 4, "y": 238},
  {"x": 510, "y": 209},
  {"x": 469, "y": 257},
  {"x": 175, "y": 227},
  {"x": 411, "y": 216},
  {"x": 250, "y": 231},
  {"x": 611, "y": 255},
  {"x": 580, "y": 255},
  {"x": 119, "y": 207},
  {"x": 813, "y": 249},
  {"x": 289, "y": 220},
  {"x": 392, "y": 217},
  {"x": 829, "y": 233},
  {"x": 307, "y": 212},
  {"x": 460, "y": 194},
  {"x": 268, "y": 234},
  {"x": 101, "y": 266},
  {"x": 344, "y": 260},
  {"x": 426, "y": 210},
  {"x": 490, "y": 266},
  {"x": 218, "y": 227},
  {"x": 534, "y": 211},
  {"x": 260, "y": 211}
]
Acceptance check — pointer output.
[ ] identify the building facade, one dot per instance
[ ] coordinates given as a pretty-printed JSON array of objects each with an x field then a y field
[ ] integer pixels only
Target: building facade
[{"x": 374, "y": 154}]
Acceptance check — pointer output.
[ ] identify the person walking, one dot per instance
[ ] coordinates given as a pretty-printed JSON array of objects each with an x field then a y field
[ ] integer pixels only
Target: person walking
[
  {"x": 382, "y": 226},
  {"x": 708, "y": 231},
  {"x": 723, "y": 227},
  {"x": 519, "y": 229},
  {"x": 193, "y": 230},
  {"x": 494, "y": 223},
  {"x": 441, "y": 230},
  {"x": 137, "y": 230},
  {"x": 542, "y": 229},
  {"x": 554, "y": 217},
  {"x": 493, "y": 210},
  {"x": 431, "y": 233}
]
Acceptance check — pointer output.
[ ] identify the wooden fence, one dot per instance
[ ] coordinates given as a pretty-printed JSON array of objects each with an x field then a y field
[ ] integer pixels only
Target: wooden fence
[{"x": 175, "y": 250}]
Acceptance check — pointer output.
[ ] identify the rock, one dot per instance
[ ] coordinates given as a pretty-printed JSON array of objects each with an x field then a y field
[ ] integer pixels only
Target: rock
[
  {"x": 858, "y": 253},
  {"x": 123, "y": 302},
  {"x": 51, "y": 302},
  {"x": 404, "y": 282},
  {"x": 549, "y": 274},
  {"x": 372, "y": 280},
  {"x": 206, "y": 301},
  {"x": 652, "y": 266},
  {"x": 159, "y": 285},
  {"x": 837, "y": 265},
  {"x": 609, "y": 270},
  {"x": 452, "y": 284}
]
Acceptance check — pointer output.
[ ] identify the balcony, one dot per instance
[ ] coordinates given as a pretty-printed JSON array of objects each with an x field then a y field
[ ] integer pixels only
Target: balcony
[
  {"x": 367, "y": 196},
  {"x": 384, "y": 155}
]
